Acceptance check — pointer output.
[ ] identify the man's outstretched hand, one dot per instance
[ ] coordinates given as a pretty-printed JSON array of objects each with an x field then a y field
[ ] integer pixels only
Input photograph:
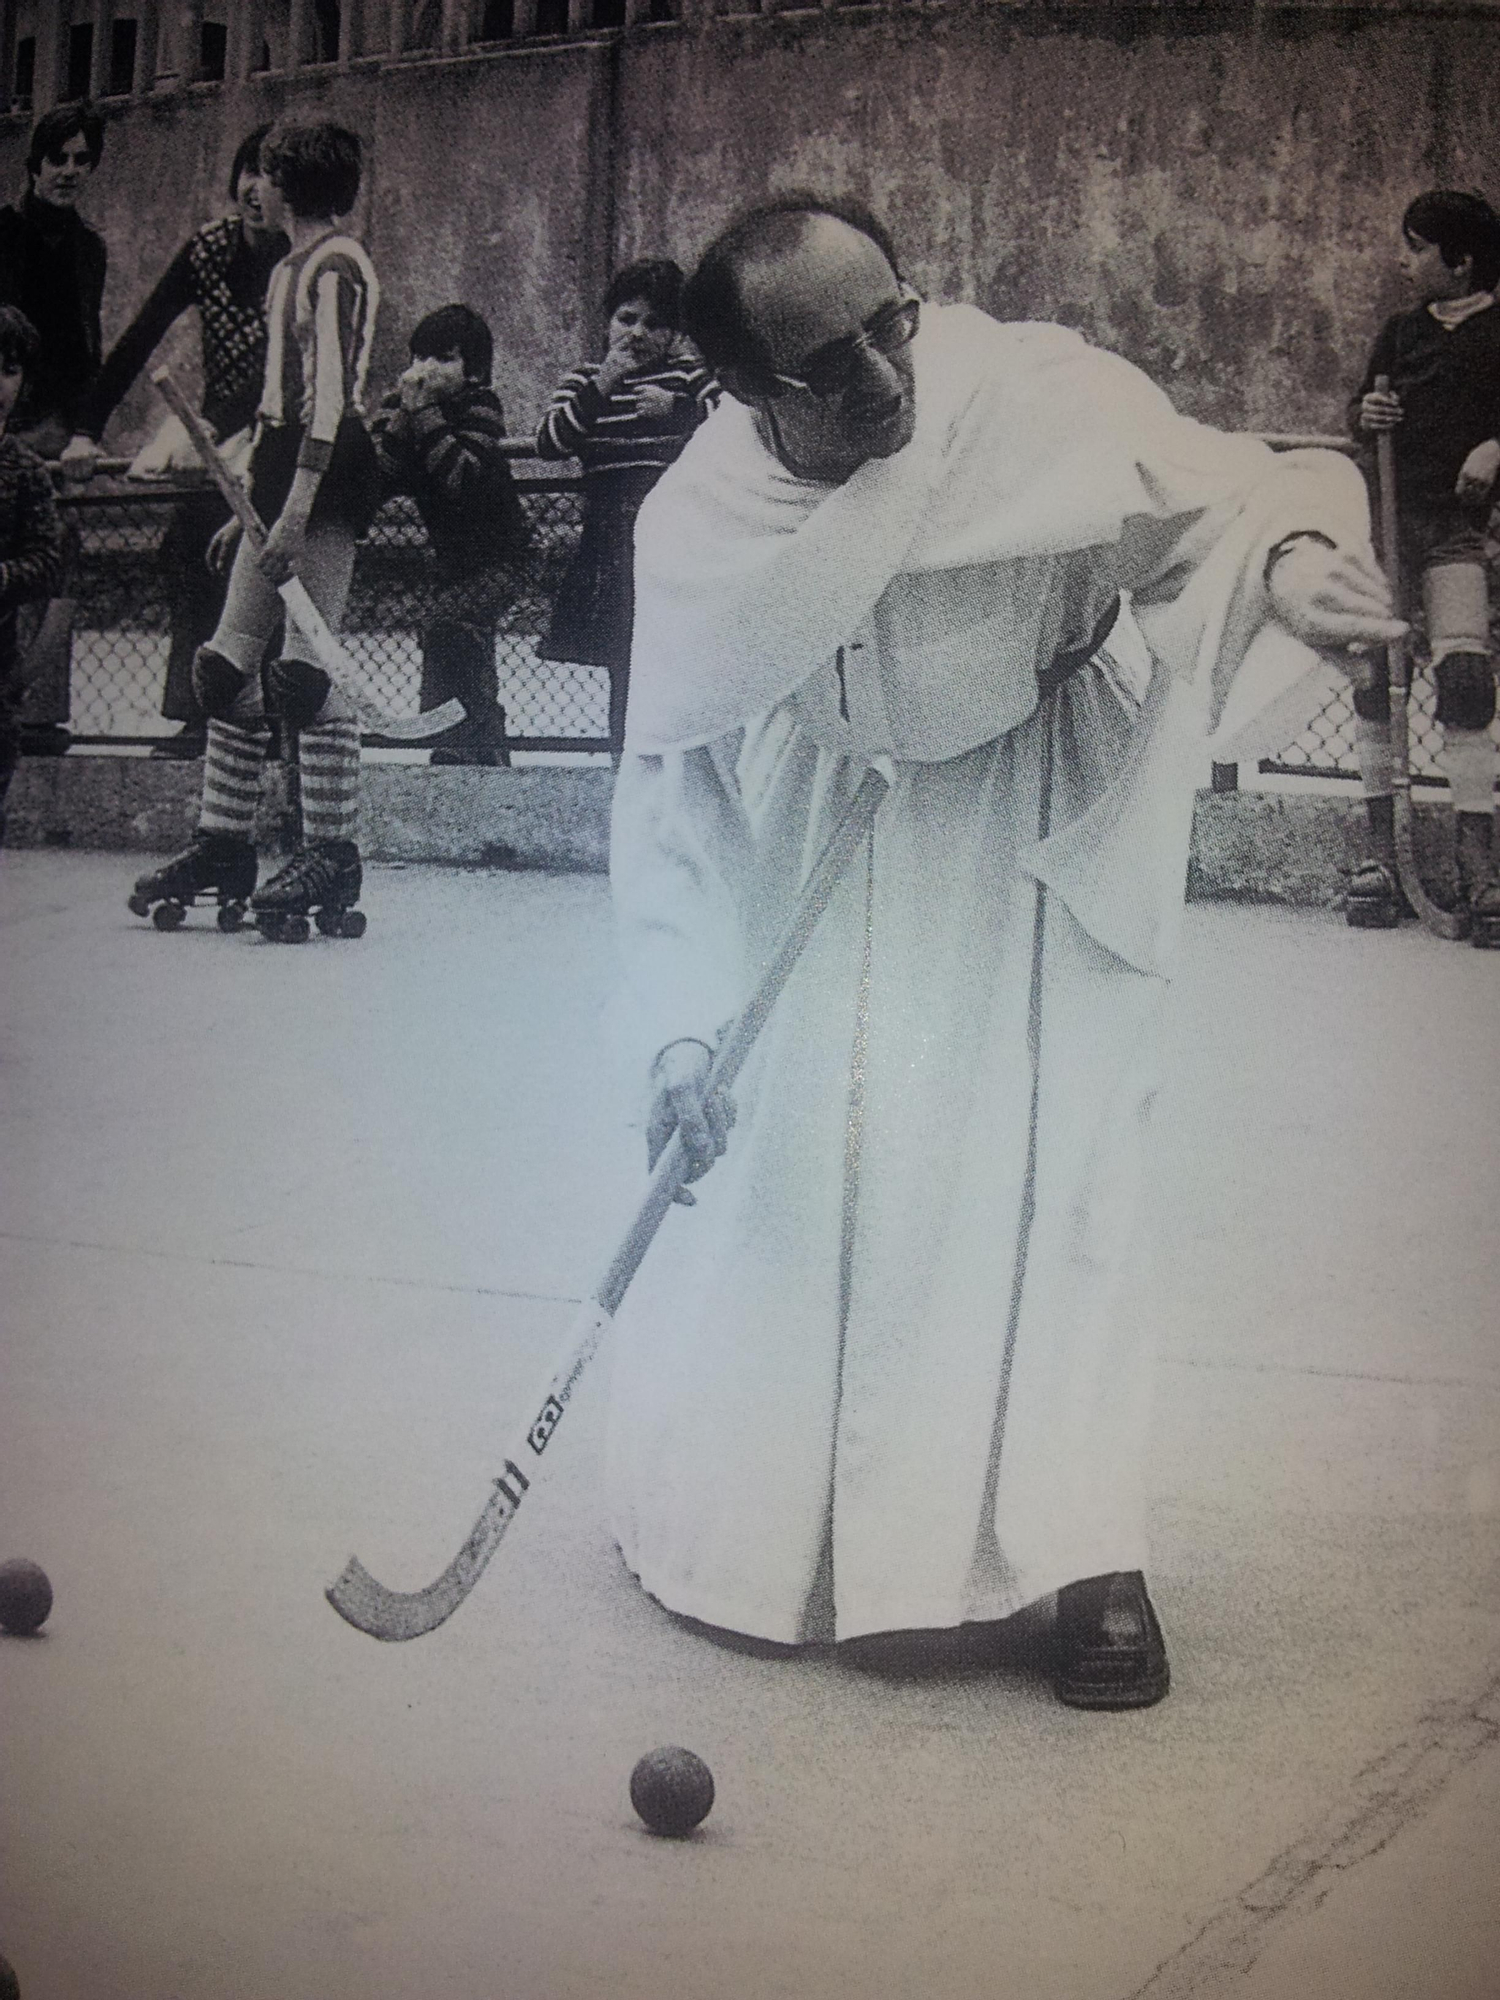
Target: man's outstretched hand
[
  {"x": 1333, "y": 598},
  {"x": 683, "y": 1103}
]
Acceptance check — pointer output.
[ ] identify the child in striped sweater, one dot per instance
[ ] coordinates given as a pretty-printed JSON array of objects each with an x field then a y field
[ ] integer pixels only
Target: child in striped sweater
[{"x": 625, "y": 419}]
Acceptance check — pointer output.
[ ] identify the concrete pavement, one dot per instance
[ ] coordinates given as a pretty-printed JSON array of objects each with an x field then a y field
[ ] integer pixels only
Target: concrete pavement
[{"x": 271, "y": 1291}]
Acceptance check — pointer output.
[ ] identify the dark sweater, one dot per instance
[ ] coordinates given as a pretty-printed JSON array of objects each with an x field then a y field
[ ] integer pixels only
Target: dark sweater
[
  {"x": 31, "y": 542},
  {"x": 1449, "y": 385},
  {"x": 224, "y": 275},
  {"x": 448, "y": 458},
  {"x": 52, "y": 267}
]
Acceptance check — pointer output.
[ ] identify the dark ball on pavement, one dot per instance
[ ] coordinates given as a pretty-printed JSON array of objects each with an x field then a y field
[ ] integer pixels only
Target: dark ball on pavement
[
  {"x": 672, "y": 1790},
  {"x": 10, "y": 1986},
  {"x": 25, "y": 1597}
]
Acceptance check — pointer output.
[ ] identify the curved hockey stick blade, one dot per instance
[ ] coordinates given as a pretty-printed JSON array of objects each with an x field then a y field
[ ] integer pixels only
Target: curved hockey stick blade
[
  {"x": 394, "y": 1614},
  {"x": 314, "y": 627},
  {"x": 397, "y": 1614}
]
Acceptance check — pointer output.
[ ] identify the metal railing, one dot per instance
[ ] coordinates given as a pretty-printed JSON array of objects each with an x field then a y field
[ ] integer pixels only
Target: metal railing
[
  {"x": 123, "y": 581},
  {"x": 123, "y": 588}
]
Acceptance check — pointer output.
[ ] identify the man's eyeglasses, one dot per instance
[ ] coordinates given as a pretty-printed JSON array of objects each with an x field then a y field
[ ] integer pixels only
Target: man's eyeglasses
[{"x": 829, "y": 372}]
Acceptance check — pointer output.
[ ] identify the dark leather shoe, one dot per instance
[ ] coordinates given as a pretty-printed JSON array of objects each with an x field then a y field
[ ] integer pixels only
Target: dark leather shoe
[{"x": 1110, "y": 1652}]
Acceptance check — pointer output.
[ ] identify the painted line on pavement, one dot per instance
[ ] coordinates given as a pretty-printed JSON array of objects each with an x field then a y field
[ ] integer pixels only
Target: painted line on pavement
[{"x": 1390, "y": 1793}]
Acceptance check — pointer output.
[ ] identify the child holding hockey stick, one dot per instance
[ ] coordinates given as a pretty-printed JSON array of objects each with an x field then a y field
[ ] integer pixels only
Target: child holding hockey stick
[
  {"x": 315, "y": 481},
  {"x": 31, "y": 534},
  {"x": 1442, "y": 409},
  {"x": 438, "y": 437}
]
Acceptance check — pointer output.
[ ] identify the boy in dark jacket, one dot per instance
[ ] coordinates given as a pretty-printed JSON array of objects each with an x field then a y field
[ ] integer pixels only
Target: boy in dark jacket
[
  {"x": 31, "y": 537},
  {"x": 438, "y": 436},
  {"x": 1442, "y": 409}
]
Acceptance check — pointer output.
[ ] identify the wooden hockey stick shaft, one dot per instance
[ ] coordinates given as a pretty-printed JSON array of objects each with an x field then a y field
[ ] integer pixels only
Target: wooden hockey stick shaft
[
  {"x": 309, "y": 620},
  {"x": 1440, "y": 922},
  {"x": 390, "y": 1614}
]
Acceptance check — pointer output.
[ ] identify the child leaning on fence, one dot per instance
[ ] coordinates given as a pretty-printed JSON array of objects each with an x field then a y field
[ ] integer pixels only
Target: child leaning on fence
[
  {"x": 625, "y": 419},
  {"x": 1441, "y": 359},
  {"x": 31, "y": 535},
  {"x": 438, "y": 436}
]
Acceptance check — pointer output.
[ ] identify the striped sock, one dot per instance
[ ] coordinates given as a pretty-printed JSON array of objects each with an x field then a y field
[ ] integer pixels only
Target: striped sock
[
  {"x": 231, "y": 777},
  {"x": 329, "y": 756}
]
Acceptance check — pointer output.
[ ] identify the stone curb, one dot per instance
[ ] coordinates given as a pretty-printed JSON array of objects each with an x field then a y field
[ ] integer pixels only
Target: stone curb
[{"x": 1263, "y": 847}]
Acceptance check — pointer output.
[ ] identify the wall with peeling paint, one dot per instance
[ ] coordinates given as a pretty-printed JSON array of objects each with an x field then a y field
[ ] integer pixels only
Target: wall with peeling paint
[{"x": 1212, "y": 191}]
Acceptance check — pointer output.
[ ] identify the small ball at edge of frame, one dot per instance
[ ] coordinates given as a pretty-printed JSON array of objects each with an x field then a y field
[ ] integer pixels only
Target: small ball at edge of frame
[
  {"x": 25, "y": 1596},
  {"x": 672, "y": 1790}
]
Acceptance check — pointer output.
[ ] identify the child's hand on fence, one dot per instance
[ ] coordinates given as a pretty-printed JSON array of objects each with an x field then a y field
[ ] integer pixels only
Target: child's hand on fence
[
  {"x": 221, "y": 550},
  {"x": 1380, "y": 410},
  {"x": 80, "y": 456},
  {"x": 1477, "y": 473}
]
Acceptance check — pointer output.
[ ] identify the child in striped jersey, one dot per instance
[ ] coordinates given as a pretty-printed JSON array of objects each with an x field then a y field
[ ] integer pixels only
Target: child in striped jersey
[
  {"x": 315, "y": 482},
  {"x": 439, "y": 436},
  {"x": 625, "y": 419}
]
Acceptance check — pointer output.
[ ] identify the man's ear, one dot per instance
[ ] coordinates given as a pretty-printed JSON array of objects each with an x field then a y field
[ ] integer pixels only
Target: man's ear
[{"x": 1463, "y": 269}]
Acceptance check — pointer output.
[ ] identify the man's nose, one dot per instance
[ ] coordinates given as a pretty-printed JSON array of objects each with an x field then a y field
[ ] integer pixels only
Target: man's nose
[{"x": 873, "y": 377}]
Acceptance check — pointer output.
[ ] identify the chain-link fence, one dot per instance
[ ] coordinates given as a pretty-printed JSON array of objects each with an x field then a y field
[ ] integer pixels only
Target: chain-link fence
[
  {"x": 125, "y": 577},
  {"x": 124, "y": 584},
  {"x": 1325, "y": 748}
]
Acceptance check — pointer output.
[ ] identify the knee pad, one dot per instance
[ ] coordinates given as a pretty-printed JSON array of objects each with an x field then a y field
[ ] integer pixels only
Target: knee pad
[
  {"x": 299, "y": 691},
  {"x": 1372, "y": 703},
  {"x": 1465, "y": 690},
  {"x": 217, "y": 683},
  {"x": 1455, "y": 597}
]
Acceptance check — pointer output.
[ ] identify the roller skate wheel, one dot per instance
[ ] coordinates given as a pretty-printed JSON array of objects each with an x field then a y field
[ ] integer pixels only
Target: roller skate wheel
[
  {"x": 138, "y": 905},
  {"x": 354, "y": 923},
  {"x": 231, "y": 916},
  {"x": 1485, "y": 935},
  {"x": 167, "y": 916},
  {"x": 1371, "y": 916},
  {"x": 284, "y": 930},
  {"x": 329, "y": 921}
]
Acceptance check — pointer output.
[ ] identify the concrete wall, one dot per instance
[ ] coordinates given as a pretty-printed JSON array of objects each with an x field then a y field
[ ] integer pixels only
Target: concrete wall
[{"x": 1212, "y": 190}]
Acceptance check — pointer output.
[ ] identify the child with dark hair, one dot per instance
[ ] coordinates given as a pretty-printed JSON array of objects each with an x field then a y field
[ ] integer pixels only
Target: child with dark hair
[
  {"x": 438, "y": 436},
  {"x": 1442, "y": 409},
  {"x": 222, "y": 270},
  {"x": 52, "y": 269},
  {"x": 315, "y": 482},
  {"x": 31, "y": 536},
  {"x": 625, "y": 419}
]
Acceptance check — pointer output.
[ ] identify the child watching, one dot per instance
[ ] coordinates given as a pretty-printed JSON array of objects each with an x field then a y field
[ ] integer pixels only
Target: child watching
[
  {"x": 625, "y": 419},
  {"x": 31, "y": 536},
  {"x": 438, "y": 436},
  {"x": 1442, "y": 409},
  {"x": 315, "y": 482}
]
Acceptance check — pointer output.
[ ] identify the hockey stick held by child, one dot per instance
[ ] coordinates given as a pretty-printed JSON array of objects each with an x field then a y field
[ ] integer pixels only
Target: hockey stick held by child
[{"x": 314, "y": 627}]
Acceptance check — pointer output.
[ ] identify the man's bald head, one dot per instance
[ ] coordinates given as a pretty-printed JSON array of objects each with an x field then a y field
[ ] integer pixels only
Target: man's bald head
[{"x": 714, "y": 304}]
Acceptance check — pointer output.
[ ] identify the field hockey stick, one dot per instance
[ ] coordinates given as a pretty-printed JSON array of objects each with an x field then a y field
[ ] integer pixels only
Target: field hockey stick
[
  {"x": 393, "y": 1614},
  {"x": 309, "y": 620},
  {"x": 1440, "y": 922}
]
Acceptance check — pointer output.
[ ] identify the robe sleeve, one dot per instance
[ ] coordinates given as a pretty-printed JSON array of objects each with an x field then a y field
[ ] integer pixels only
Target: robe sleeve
[{"x": 679, "y": 848}]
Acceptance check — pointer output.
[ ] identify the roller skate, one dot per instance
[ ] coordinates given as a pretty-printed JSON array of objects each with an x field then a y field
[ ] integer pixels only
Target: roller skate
[
  {"x": 1374, "y": 900},
  {"x": 219, "y": 863},
  {"x": 1478, "y": 882},
  {"x": 322, "y": 880}
]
